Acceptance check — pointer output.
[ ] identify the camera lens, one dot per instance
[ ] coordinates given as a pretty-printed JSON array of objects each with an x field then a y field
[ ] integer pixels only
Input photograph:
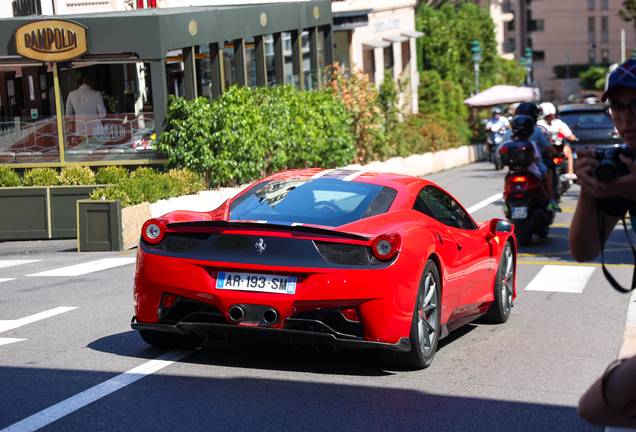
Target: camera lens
[{"x": 606, "y": 171}]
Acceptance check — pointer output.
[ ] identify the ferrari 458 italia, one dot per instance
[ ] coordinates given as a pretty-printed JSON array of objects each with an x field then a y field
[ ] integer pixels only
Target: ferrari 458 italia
[{"x": 326, "y": 259}]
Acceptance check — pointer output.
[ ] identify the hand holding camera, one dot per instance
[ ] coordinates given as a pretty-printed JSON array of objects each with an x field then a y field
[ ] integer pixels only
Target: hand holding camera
[{"x": 606, "y": 173}]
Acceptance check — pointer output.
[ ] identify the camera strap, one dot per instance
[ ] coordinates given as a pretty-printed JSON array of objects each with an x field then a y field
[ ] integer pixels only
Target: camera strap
[{"x": 601, "y": 223}]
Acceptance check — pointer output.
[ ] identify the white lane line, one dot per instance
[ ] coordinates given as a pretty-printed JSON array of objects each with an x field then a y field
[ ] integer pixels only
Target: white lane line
[
  {"x": 57, "y": 411},
  {"x": 7, "y": 341},
  {"x": 561, "y": 278},
  {"x": 11, "y": 263},
  {"x": 85, "y": 268},
  {"x": 484, "y": 203},
  {"x": 6, "y": 279},
  {"x": 6, "y": 325}
]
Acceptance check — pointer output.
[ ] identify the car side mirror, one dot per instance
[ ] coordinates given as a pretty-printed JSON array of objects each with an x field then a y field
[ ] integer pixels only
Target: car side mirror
[{"x": 496, "y": 227}]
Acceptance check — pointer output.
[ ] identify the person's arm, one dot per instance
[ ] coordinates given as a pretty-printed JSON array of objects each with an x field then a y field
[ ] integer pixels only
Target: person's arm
[
  {"x": 611, "y": 400},
  {"x": 69, "y": 107},
  {"x": 585, "y": 243},
  {"x": 566, "y": 131},
  {"x": 101, "y": 109}
]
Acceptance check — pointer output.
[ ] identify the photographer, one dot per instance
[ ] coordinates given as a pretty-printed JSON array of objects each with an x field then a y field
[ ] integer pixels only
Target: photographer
[
  {"x": 621, "y": 93},
  {"x": 603, "y": 201}
]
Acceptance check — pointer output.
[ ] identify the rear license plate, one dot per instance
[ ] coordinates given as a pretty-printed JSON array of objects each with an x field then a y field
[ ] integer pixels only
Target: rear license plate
[
  {"x": 519, "y": 212},
  {"x": 256, "y": 282}
]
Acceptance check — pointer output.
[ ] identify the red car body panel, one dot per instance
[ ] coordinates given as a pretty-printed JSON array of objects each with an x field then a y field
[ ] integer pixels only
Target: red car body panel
[{"x": 384, "y": 296}]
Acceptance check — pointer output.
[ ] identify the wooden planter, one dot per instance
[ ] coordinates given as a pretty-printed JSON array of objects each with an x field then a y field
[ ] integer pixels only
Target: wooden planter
[{"x": 36, "y": 213}]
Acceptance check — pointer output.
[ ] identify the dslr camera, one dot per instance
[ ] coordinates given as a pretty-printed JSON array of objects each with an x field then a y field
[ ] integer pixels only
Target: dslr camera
[{"x": 609, "y": 166}]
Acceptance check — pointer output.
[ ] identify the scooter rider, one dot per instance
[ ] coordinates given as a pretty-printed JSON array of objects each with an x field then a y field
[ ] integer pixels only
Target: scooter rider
[
  {"x": 524, "y": 128},
  {"x": 496, "y": 117},
  {"x": 555, "y": 125}
]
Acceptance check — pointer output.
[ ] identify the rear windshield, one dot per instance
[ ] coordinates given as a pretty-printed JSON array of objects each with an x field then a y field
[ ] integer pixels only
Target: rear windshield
[
  {"x": 587, "y": 120},
  {"x": 312, "y": 201}
]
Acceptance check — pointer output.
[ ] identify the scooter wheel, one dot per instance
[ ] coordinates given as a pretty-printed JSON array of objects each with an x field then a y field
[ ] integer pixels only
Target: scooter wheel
[{"x": 523, "y": 233}]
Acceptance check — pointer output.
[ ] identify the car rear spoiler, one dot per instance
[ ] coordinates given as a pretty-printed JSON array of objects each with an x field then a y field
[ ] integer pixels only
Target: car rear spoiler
[{"x": 267, "y": 226}]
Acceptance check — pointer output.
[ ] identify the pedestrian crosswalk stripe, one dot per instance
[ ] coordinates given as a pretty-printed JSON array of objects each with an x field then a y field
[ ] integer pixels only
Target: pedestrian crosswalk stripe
[
  {"x": 6, "y": 325},
  {"x": 11, "y": 263},
  {"x": 6, "y": 279},
  {"x": 7, "y": 341},
  {"x": 85, "y": 268},
  {"x": 561, "y": 278}
]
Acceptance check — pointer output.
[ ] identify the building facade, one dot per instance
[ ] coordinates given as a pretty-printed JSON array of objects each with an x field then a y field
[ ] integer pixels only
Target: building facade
[
  {"x": 567, "y": 32},
  {"x": 137, "y": 58}
]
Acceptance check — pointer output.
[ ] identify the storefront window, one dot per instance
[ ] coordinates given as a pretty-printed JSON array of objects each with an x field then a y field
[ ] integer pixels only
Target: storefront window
[
  {"x": 270, "y": 64},
  {"x": 28, "y": 122},
  {"x": 250, "y": 61},
  {"x": 229, "y": 65},
  {"x": 127, "y": 130},
  {"x": 289, "y": 68},
  {"x": 204, "y": 71}
]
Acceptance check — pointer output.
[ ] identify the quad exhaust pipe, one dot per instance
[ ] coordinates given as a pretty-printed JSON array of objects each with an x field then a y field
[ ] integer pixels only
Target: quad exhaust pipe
[
  {"x": 270, "y": 316},
  {"x": 253, "y": 314},
  {"x": 236, "y": 314}
]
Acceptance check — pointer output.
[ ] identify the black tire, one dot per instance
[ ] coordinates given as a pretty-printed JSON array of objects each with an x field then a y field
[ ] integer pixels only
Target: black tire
[
  {"x": 498, "y": 163},
  {"x": 499, "y": 311},
  {"x": 168, "y": 340},
  {"x": 544, "y": 232},
  {"x": 523, "y": 233},
  {"x": 425, "y": 325}
]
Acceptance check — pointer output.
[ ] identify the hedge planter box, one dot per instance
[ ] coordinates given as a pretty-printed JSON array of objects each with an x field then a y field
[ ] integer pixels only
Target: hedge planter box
[
  {"x": 99, "y": 225},
  {"x": 36, "y": 213},
  {"x": 102, "y": 225}
]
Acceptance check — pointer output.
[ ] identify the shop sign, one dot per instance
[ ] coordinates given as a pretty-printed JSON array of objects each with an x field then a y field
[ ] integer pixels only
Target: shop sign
[{"x": 51, "y": 40}]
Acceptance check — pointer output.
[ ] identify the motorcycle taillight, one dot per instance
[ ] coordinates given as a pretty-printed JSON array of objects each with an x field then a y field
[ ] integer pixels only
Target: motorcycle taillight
[
  {"x": 519, "y": 179},
  {"x": 557, "y": 160}
]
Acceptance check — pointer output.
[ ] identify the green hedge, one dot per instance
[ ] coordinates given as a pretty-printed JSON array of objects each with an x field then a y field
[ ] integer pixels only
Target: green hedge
[
  {"x": 149, "y": 185},
  {"x": 144, "y": 184},
  {"x": 248, "y": 133}
]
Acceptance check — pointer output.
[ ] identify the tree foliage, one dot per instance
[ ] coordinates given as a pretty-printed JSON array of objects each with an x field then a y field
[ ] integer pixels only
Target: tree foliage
[
  {"x": 629, "y": 12},
  {"x": 449, "y": 32}
]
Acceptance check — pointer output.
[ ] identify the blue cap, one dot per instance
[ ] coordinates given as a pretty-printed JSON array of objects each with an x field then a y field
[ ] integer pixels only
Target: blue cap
[{"x": 624, "y": 75}]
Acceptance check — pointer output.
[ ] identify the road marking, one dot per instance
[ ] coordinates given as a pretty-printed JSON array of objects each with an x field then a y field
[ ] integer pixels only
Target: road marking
[
  {"x": 85, "y": 268},
  {"x": 6, "y": 325},
  {"x": 529, "y": 255},
  {"x": 6, "y": 341},
  {"x": 576, "y": 264},
  {"x": 57, "y": 411},
  {"x": 567, "y": 279},
  {"x": 6, "y": 279},
  {"x": 11, "y": 263},
  {"x": 484, "y": 203}
]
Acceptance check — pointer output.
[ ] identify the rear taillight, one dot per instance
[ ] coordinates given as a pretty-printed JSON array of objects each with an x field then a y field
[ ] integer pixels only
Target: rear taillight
[
  {"x": 519, "y": 179},
  {"x": 154, "y": 230},
  {"x": 557, "y": 160},
  {"x": 503, "y": 150},
  {"x": 386, "y": 246}
]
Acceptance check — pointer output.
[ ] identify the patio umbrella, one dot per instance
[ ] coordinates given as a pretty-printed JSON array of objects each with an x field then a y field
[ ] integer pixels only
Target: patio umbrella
[{"x": 502, "y": 94}]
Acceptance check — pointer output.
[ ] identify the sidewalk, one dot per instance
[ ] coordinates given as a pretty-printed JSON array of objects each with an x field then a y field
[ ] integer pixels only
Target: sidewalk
[{"x": 416, "y": 165}]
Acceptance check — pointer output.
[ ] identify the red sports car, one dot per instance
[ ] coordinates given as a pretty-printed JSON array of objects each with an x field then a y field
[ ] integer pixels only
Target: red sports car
[{"x": 324, "y": 258}]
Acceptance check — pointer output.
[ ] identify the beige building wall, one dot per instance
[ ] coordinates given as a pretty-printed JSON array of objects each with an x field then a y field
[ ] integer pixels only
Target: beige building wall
[{"x": 572, "y": 32}]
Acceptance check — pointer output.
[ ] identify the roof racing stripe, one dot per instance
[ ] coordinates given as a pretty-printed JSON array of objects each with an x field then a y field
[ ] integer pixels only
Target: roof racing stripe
[
  {"x": 322, "y": 173},
  {"x": 341, "y": 174},
  {"x": 354, "y": 175}
]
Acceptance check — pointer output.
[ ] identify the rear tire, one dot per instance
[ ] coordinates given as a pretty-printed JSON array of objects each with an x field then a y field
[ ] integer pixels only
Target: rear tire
[
  {"x": 425, "y": 325},
  {"x": 499, "y": 310},
  {"x": 523, "y": 234},
  {"x": 168, "y": 340}
]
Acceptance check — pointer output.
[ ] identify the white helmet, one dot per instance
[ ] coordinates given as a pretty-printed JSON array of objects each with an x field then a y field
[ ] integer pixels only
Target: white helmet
[{"x": 547, "y": 109}]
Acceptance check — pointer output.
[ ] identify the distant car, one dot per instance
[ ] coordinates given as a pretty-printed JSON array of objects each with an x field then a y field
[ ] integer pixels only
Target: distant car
[
  {"x": 590, "y": 124},
  {"x": 324, "y": 258}
]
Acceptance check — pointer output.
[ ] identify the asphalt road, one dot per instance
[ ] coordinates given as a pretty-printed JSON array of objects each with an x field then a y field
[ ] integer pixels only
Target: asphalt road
[{"x": 65, "y": 371}]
